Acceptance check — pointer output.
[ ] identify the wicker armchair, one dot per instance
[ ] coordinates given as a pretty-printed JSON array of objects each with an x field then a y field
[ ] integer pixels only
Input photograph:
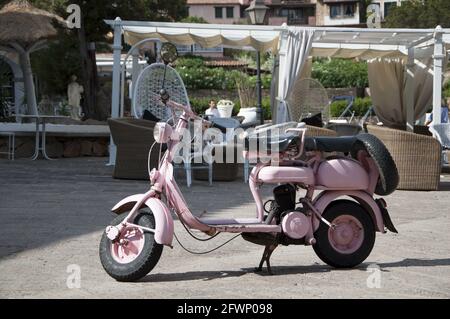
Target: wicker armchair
[
  {"x": 418, "y": 157},
  {"x": 319, "y": 131},
  {"x": 133, "y": 138}
]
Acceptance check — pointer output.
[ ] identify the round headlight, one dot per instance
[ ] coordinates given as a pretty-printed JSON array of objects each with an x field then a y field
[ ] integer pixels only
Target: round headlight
[{"x": 162, "y": 132}]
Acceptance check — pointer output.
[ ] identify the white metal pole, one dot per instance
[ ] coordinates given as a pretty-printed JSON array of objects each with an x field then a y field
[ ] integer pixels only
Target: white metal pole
[
  {"x": 282, "y": 112},
  {"x": 438, "y": 58},
  {"x": 135, "y": 70},
  {"x": 409, "y": 89},
  {"x": 117, "y": 49}
]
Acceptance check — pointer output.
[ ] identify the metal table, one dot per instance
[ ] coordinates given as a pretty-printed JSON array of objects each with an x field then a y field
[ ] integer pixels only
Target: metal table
[{"x": 40, "y": 145}]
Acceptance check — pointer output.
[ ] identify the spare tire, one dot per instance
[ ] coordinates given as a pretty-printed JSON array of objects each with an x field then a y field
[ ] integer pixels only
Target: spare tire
[{"x": 388, "y": 180}]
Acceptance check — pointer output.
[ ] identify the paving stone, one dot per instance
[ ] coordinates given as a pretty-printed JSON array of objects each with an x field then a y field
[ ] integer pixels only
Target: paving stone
[{"x": 53, "y": 214}]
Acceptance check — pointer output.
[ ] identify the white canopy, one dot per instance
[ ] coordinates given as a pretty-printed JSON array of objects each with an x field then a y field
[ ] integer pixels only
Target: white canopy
[
  {"x": 326, "y": 41},
  {"x": 206, "y": 35}
]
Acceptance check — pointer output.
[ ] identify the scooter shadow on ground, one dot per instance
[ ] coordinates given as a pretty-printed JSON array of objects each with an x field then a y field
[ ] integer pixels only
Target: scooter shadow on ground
[{"x": 289, "y": 270}]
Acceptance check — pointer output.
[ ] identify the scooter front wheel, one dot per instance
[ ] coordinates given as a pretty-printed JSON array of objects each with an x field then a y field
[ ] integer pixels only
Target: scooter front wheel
[
  {"x": 135, "y": 253},
  {"x": 351, "y": 239}
]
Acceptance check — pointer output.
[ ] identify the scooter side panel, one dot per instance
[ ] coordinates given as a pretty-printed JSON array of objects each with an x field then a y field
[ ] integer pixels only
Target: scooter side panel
[
  {"x": 342, "y": 174},
  {"x": 286, "y": 174},
  {"x": 325, "y": 198}
]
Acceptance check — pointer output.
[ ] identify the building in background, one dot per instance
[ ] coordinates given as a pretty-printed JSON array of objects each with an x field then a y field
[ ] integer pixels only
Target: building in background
[
  {"x": 337, "y": 13},
  {"x": 291, "y": 12},
  {"x": 219, "y": 11},
  {"x": 313, "y": 12},
  {"x": 386, "y": 6}
]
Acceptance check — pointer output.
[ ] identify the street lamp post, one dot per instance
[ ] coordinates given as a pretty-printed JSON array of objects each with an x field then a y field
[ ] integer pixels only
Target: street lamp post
[{"x": 257, "y": 12}]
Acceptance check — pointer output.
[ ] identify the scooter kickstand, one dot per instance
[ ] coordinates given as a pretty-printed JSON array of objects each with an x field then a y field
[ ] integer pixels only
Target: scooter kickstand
[{"x": 266, "y": 257}]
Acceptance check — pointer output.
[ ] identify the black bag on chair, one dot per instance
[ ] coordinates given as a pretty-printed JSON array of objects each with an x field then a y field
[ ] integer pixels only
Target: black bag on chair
[
  {"x": 314, "y": 120},
  {"x": 149, "y": 116}
]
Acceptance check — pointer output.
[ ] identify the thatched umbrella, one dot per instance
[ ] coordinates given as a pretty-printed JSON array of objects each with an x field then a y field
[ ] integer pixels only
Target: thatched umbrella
[{"x": 25, "y": 29}]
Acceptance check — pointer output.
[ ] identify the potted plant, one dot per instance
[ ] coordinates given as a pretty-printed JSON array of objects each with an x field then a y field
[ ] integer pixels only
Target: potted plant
[
  {"x": 247, "y": 98},
  {"x": 225, "y": 108}
]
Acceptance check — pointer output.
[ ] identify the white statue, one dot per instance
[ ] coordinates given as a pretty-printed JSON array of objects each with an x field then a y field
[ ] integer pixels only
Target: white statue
[{"x": 74, "y": 91}]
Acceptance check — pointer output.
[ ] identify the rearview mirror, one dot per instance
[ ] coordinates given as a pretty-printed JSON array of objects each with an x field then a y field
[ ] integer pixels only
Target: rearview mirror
[{"x": 169, "y": 52}]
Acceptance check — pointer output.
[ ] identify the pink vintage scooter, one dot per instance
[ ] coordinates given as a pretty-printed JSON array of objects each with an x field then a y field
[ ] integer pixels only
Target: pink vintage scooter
[{"x": 337, "y": 215}]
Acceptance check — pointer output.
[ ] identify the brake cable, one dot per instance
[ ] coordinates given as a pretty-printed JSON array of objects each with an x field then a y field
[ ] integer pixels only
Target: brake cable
[
  {"x": 204, "y": 252},
  {"x": 201, "y": 239},
  {"x": 197, "y": 238}
]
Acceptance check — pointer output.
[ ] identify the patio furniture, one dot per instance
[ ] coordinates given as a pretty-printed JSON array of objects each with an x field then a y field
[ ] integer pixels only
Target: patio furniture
[
  {"x": 344, "y": 129},
  {"x": 133, "y": 138},
  {"x": 348, "y": 109},
  {"x": 313, "y": 131},
  {"x": 40, "y": 142},
  {"x": 343, "y": 126},
  {"x": 147, "y": 88},
  {"x": 418, "y": 157},
  {"x": 221, "y": 169},
  {"x": 193, "y": 163},
  {"x": 442, "y": 133},
  {"x": 11, "y": 144},
  {"x": 309, "y": 97}
]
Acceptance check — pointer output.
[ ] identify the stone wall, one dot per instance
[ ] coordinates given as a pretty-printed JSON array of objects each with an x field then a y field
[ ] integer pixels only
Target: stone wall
[{"x": 59, "y": 146}]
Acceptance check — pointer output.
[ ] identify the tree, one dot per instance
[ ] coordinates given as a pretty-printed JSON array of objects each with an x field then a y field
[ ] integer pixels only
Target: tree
[
  {"x": 363, "y": 4},
  {"x": 420, "y": 14},
  {"x": 93, "y": 30}
]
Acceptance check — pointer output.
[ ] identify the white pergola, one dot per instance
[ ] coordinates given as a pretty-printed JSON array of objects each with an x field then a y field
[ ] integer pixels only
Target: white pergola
[{"x": 408, "y": 44}]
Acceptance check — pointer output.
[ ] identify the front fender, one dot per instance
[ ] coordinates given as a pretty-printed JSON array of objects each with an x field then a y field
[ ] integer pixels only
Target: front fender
[
  {"x": 365, "y": 200},
  {"x": 163, "y": 218}
]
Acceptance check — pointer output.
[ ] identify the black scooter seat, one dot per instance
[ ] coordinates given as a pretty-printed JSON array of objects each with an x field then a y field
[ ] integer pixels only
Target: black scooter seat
[{"x": 330, "y": 144}]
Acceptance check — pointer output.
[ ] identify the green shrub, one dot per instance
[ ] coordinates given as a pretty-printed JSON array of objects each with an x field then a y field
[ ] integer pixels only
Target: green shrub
[
  {"x": 336, "y": 108},
  {"x": 360, "y": 107},
  {"x": 199, "y": 105},
  {"x": 340, "y": 73},
  {"x": 266, "y": 108},
  {"x": 446, "y": 91},
  {"x": 190, "y": 61},
  {"x": 196, "y": 75}
]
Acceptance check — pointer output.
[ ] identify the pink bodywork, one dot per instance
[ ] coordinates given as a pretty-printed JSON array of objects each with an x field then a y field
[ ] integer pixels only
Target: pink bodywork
[
  {"x": 336, "y": 177},
  {"x": 334, "y": 174}
]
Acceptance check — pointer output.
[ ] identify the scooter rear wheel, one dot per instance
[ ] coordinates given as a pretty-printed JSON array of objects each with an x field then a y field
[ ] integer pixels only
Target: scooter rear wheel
[
  {"x": 134, "y": 254},
  {"x": 350, "y": 242}
]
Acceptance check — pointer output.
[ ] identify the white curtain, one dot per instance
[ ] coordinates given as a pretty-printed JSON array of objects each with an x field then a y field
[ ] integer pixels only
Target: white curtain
[
  {"x": 293, "y": 56},
  {"x": 391, "y": 87},
  {"x": 421, "y": 87}
]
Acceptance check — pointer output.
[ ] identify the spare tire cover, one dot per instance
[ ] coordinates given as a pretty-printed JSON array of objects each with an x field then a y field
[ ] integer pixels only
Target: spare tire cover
[{"x": 388, "y": 180}]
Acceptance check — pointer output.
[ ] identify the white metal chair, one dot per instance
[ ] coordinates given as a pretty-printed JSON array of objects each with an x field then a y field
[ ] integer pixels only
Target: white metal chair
[
  {"x": 262, "y": 130},
  {"x": 308, "y": 98},
  {"x": 147, "y": 88},
  {"x": 146, "y": 96}
]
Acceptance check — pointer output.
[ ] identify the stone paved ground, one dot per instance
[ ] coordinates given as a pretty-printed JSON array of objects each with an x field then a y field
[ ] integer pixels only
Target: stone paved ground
[{"x": 53, "y": 213}]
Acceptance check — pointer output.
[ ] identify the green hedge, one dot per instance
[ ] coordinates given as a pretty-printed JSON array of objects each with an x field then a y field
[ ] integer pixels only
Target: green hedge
[
  {"x": 196, "y": 75},
  {"x": 360, "y": 107},
  {"x": 340, "y": 73},
  {"x": 446, "y": 92}
]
